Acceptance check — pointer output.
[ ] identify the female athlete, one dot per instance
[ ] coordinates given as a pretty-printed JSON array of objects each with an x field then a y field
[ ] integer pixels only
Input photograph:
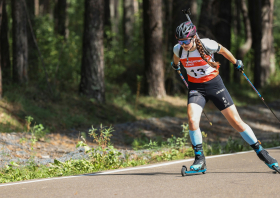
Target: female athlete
[{"x": 205, "y": 83}]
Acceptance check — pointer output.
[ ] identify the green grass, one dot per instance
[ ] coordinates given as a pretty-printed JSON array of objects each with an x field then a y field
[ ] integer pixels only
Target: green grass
[
  {"x": 106, "y": 157},
  {"x": 14, "y": 173}
]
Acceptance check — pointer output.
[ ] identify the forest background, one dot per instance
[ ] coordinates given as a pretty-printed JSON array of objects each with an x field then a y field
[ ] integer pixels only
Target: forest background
[{"x": 71, "y": 64}]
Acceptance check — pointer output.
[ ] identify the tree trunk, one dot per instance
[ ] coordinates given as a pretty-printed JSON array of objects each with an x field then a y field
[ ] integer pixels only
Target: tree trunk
[
  {"x": 222, "y": 32},
  {"x": 154, "y": 68},
  {"x": 107, "y": 13},
  {"x": 167, "y": 23},
  {"x": 267, "y": 23},
  {"x": 20, "y": 46},
  {"x": 45, "y": 6},
  {"x": 255, "y": 17},
  {"x": 237, "y": 17},
  {"x": 115, "y": 16},
  {"x": 116, "y": 8},
  {"x": 272, "y": 58},
  {"x": 261, "y": 24},
  {"x": 242, "y": 51},
  {"x": 60, "y": 17},
  {"x": 1, "y": 16},
  {"x": 206, "y": 18},
  {"x": 215, "y": 23},
  {"x": 128, "y": 22},
  {"x": 136, "y": 6},
  {"x": 32, "y": 51},
  {"x": 36, "y": 7},
  {"x": 5, "y": 54},
  {"x": 168, "y": 30},
  {"x": 92, "y": 71},
  {"x": 107, "y": 21},
  {"x": 31, "y": 8}
]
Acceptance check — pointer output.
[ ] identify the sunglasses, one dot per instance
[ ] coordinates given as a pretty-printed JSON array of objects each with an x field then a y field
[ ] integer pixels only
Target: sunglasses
[{"x": 186, "y": 42}]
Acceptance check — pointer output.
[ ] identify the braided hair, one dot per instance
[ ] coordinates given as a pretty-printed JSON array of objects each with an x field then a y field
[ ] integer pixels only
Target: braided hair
[{"x": 203, "y": 55}]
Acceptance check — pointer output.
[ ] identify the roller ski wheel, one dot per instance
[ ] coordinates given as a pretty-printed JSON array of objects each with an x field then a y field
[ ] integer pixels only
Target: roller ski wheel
[
  {"x": 184, "y": 171},
  {"x": 199, "y": 165}
]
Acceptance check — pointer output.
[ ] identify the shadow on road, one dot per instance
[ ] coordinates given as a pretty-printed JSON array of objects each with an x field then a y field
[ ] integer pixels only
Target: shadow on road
[{"x": 177, "y": 174}]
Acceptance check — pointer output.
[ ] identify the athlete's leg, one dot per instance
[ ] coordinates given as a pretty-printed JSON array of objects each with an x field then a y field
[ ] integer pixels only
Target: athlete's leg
[
  {"x": 196, "y": 103},
  {"x": 220, "y": 96},
  {"x": 248, "y": 135},
  {"x": 194, "y": 114},
  {"x": 236, "y": 122},
  {"x": 218, "y": 93},
  {"x": 234, "y": 119}
]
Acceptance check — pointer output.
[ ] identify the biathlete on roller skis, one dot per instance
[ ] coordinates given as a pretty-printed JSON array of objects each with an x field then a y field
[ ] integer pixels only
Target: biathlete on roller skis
[{"x": 204, "y": 83}]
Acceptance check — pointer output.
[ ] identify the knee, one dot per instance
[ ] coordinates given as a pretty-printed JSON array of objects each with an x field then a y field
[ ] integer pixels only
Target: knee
[
  {"x": 243, "y": 126},
  {"x": 193, "y": 123},
  {"x": 240, "y": 125}
]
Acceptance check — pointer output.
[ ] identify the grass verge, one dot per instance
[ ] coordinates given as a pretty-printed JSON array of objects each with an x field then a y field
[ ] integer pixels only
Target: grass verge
[{"x": 106, "y": 157}]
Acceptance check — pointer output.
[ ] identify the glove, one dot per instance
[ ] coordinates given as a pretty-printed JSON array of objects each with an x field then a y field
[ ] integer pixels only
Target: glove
[
  {"x": 175, "y": 67},
  {"x": 239, "y": 66}
]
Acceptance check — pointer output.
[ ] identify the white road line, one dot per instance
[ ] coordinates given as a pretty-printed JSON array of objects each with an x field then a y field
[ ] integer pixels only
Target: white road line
[{"x": 122, "y": 170}]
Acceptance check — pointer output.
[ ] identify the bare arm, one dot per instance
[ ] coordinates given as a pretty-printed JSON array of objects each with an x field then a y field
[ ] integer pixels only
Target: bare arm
[
  {"x": 227, "y": 54},
  {"x": 176, "y": 59}
]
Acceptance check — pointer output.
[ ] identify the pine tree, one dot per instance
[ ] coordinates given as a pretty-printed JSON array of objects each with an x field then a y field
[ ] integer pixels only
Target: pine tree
[
  {"x": 153, "y": 48},
  {"x": 20, "y": 46},
  {"x": 92, "y": 71}
]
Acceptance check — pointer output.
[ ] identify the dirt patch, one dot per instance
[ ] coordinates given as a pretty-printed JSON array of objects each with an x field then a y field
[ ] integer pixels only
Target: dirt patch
[{"x": 258, "y": 117}]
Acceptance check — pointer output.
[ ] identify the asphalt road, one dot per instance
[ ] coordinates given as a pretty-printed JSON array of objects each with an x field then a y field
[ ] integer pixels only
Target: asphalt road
[{"x": 237, "y": 175}]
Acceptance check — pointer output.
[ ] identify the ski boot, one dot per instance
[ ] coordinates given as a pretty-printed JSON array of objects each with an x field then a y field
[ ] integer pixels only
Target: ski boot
[
  {"x": 265, "y": 157},
  {"x": 199, "y": 165}
]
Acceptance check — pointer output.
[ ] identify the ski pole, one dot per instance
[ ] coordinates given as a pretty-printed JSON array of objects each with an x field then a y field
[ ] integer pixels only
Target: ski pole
[
  {"x": 188, "y": 13},
  {"x": 259, "y": 95},
  {"x": 179, "y": 72}
]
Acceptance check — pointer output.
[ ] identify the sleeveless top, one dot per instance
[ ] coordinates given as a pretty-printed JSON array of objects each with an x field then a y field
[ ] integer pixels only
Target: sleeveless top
[{"x": 198, "y": 70}]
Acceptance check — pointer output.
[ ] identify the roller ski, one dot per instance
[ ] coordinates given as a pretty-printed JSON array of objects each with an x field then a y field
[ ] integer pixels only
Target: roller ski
[
  {"x": 265, "y": 157},
  {"x": 199, "y": 165}
]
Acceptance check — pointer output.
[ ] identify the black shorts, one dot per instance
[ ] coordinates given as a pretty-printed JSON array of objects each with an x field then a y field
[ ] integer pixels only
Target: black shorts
[{"x": 214, "y": 90}]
